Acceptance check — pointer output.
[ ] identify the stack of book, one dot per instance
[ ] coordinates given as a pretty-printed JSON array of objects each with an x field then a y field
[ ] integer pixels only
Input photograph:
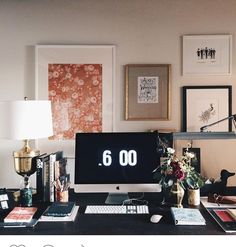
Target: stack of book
[
  {"x": 60, "y": 211},
  {"x": 20, "y": 217},
  {"x": 50, "y": 168},
  {"x": 20, "y": 214}
]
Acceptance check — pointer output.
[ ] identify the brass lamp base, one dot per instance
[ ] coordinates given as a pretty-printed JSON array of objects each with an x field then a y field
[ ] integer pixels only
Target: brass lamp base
[
  {"x": 24, "y": 167},
  {"x": 16, "y": 195},
  {"x": 23, "y": 160}
]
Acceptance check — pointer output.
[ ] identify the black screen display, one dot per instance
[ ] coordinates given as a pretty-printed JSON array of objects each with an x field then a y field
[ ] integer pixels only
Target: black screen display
[{"x": 111, "y": 158}]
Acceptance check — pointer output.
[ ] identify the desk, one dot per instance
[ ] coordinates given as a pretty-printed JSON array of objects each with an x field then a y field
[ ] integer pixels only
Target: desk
[{"x": 86, "y": 224}]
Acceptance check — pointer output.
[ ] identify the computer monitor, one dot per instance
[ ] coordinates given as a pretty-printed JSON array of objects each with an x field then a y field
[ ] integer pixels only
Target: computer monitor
[{"x": 117, "y": 163}]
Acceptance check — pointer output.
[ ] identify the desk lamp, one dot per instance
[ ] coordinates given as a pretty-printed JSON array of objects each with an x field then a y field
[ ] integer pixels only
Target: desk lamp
[
  {"x": 232, "y": 117},
  {"x": 25, "y": 120}
]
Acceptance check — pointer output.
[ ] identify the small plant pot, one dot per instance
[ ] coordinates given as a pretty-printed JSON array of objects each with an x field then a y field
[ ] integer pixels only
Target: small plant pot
[{"x": 194, "y": 197}]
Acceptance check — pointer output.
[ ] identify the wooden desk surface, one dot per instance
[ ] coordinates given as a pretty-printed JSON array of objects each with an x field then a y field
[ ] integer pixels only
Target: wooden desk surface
[{"x": 86, "y": 224}]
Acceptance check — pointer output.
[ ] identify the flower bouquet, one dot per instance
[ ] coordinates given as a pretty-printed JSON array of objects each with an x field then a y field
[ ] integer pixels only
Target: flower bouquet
[{"x": 178, "y": 172}]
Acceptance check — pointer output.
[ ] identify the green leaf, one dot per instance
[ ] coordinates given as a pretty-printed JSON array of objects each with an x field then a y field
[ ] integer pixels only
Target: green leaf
[{"x": 157, "y": 176}]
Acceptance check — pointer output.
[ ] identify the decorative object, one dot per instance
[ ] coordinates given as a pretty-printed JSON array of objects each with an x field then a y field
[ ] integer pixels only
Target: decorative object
[
  {"x": 174, "y": 172},
  {"x": 218, "y": 187},
  {"x": 177, "y": 194},
  {"x": 147, "y": 91},
  {"x": 170, "y": 176},
  {"x": 193, "y": 180},
  {"x": 62, "y": 196},
  {"x": 75, "y": 91},
  {"x": 26, "y": 195},
  {"x": 219, "y": 199},
  {"x": 6, "y": 201},
  {"x": 194, "y": 190},
  {"x": 203, "y": 105},
  {"x": 207, "y": 55},
  {"x": 173, "y": 195},
  {"x": 194, "y": 197},
  {"x": 78, "y": 79},
  {"x": 25, "y": 120}
]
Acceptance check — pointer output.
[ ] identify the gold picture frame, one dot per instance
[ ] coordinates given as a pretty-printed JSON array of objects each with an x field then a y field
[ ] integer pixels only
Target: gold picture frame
[{"x": 147, "y": 90}]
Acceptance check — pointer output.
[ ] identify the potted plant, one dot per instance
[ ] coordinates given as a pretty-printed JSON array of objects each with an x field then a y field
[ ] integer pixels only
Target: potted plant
[{"x": 193, "y": 180}]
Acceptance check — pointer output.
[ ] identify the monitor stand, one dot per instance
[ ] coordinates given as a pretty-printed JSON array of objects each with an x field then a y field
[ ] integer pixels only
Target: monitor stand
[{"x": 116, "y": 198}]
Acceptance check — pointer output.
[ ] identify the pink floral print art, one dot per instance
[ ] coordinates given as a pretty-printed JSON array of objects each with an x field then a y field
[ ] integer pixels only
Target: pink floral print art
[{"x": 75, "y": 91}]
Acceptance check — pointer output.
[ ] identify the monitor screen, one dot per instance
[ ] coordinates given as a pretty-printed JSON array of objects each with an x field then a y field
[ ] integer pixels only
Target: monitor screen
[{"x": 116, "y": 162}]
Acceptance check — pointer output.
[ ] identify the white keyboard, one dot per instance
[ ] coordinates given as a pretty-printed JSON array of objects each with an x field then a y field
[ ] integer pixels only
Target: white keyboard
[{"x": 116, "y": 209}]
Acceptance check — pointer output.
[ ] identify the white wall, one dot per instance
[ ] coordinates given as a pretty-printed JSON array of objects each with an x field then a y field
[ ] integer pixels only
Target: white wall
[{"x": 144, "y": 31}]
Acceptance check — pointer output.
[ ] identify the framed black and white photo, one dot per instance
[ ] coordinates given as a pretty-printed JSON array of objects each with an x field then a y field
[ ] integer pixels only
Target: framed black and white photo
[
  {"x": 207, "y": 55},
  {"x": 147, "y": 91},
  {"x": 204, "y": 105}
]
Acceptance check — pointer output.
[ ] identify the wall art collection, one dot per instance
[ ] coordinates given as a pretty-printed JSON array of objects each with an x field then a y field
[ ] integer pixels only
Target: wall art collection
[{"x": 79, "y": 79}]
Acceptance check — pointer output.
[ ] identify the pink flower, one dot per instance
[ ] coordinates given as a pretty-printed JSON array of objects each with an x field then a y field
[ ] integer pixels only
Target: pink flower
[
  {"x": 174, "y": 165},
  {"x": 177, "y": 171},
  {"x": 179, "y": 174}
]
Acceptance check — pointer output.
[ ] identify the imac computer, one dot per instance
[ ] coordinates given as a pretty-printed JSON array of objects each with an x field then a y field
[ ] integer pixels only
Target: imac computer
[{"x": 116, "y": 163}]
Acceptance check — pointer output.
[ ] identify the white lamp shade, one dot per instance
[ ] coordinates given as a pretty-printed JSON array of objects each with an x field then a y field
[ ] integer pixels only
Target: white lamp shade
[{"x": 25, "y": 119}]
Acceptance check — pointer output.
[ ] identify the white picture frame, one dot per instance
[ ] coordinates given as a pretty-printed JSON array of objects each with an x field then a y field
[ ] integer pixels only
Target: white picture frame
[
  {"x": 75, "y": 54},
  {"x": 207, "y": 55}
]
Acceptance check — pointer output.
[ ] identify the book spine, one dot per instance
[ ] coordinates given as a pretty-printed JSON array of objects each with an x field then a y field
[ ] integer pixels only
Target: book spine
[
  {"x": 46, "y": 179},
  {"x": 51, "y": 177},
  {"x": 39, "y": 179},
  {"x": 54, "y": 157},
  {"x": 57, "y": 168}
]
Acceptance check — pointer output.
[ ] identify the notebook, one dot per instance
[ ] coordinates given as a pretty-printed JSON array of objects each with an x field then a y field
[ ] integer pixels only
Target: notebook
[{"x": 187, "y": 216}]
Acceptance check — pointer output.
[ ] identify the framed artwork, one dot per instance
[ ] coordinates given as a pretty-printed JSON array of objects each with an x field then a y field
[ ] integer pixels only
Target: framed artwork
[
  {"x": 196, "y": 160},
  {"x": 147, "y": 91},
  {"x": 207, "y": 55},
  {"x": 203, "y": 105},
  {"x": 78, "y": 79}
]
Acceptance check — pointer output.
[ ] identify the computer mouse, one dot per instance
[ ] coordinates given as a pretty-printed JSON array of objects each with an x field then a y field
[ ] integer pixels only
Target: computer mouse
[{"x": 155, "y": 218}]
